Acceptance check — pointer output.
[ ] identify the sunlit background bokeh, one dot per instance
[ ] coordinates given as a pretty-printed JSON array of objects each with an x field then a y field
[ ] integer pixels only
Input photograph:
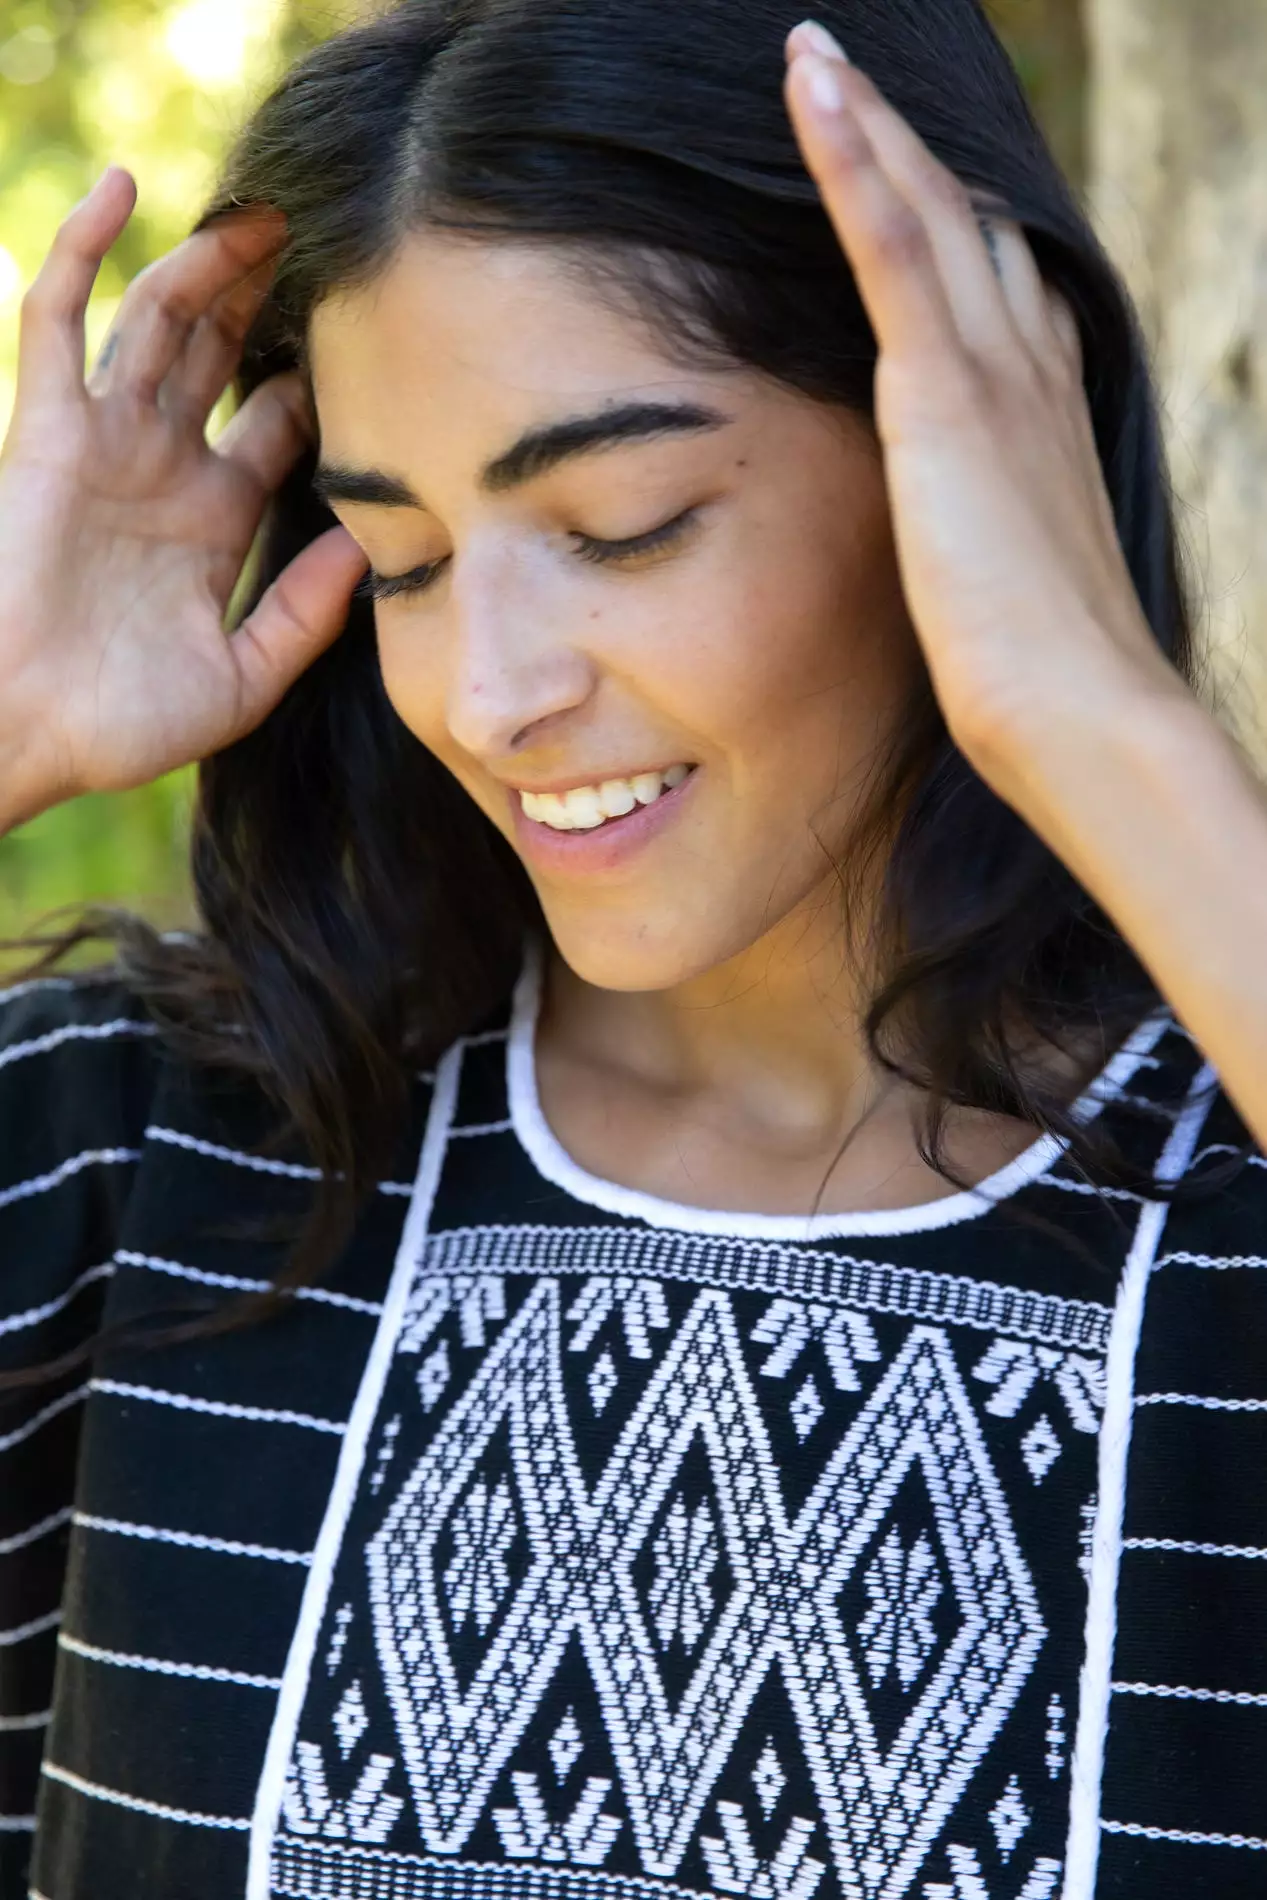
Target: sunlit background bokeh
[{"x": 159, "y": 86}]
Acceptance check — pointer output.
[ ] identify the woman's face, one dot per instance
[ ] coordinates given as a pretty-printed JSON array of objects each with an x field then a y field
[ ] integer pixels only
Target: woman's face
[{"x": 762, "y": 641}]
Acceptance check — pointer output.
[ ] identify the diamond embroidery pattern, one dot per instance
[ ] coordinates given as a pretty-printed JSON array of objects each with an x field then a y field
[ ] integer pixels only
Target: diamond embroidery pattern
[
  {"x": 880, "y": 1808},
  {"x": 566, "y": 1746},
  {"x": 768, "y": 1779},
  {"x": 686, "y": 1554},
  {"x": 1040, "y": 1448},
  {"x": 477, "y": 1578},
  {"x": 350, "y": 1719},
  {"x": 1009, "y": 1817},
  {"x": 903, "y": 1586},
  {"x": 806, "y": 1409},
  {"x": 602, "y": 1381}
]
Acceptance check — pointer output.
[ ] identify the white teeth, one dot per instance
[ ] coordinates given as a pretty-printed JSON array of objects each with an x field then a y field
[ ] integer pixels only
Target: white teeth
[
  {"x": 550, "y": 810},
  {"x": 616, "y": 797},
  {"x": 583, "y": 808},
  {"x": 589, "y": 806}
]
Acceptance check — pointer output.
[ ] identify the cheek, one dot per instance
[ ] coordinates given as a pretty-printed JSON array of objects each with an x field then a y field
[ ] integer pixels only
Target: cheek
[
  {"x": 413, "y": 682},
  {"x": 773, "y": 670}
]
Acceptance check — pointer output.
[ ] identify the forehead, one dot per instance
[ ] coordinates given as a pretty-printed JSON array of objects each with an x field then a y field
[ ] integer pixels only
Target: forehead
[{"x": 463, "y": 326}]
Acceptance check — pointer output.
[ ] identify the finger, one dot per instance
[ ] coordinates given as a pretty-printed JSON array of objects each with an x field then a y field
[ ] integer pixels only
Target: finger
[
  {"x": 299, "y": 616},
  {"x": 270, "y": 431},
  {"x": 1028, "y": 292},
  {"x": 956, "y": 240},
  {"x": 51, "y": 330},
  {"x": 201, "y": 376},
  {"x": 164, "y": 302},
  {"x": 885, "y": 239},
  {"x": 1067, "y": 330}
]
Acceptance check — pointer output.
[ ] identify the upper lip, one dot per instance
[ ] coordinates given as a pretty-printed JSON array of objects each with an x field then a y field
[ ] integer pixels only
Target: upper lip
[{"x": 578, "y": 783}]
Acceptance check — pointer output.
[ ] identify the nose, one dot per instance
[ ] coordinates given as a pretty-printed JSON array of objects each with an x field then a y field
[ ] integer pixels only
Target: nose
[{"x": 514, "y": 668}]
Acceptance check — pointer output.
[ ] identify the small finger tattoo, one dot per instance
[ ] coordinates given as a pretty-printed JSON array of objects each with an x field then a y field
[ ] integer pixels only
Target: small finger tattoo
[
  {"x": 991, "y": 236},
  {"x": 109, "y": 350}
]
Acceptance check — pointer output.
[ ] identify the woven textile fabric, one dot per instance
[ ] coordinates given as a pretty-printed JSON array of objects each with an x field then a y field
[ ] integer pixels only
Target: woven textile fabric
[{"x": 570, "y": 1544}]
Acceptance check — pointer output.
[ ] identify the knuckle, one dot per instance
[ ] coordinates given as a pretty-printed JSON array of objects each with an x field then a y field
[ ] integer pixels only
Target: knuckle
[
  {"x": 900, "y": 236},
  {"x": 947, "y": 190},
  {"x": 171, "y": 307}
]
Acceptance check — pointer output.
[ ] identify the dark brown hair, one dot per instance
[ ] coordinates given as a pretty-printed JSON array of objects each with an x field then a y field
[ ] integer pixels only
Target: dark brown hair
[{"x": 358, "y": 911}]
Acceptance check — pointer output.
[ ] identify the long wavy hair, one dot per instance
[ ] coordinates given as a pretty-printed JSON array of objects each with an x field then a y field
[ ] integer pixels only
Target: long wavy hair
[{"x": 358, "y": 911}]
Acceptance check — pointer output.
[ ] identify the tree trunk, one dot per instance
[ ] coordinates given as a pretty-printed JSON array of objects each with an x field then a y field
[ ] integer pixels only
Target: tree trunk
[{"x": 1177, "y": 187}]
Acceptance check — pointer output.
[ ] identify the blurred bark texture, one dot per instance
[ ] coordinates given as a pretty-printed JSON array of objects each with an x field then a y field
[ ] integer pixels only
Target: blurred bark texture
[{"x": 1177, "y": 187}]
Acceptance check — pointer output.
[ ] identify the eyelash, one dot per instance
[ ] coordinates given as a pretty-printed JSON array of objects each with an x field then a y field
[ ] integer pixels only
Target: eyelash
[{"x": 605, "y": 553}]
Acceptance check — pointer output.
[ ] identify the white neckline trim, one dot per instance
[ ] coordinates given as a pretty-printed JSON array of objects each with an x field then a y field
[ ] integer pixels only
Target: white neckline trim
[{"x": 551, "y": 1159}]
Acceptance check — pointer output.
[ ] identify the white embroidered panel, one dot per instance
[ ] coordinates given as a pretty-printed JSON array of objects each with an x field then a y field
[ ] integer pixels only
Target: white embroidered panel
[{"x": 661, "y": 1586}]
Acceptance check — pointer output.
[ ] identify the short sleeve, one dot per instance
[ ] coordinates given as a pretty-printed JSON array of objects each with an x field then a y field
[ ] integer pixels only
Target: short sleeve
[{"x": 78, "y": 1059}]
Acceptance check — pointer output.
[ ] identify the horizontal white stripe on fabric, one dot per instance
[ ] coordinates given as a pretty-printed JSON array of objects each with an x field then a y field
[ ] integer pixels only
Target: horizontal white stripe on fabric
[
  {"x": 46, "y": 1525},
  {"x": 1068, "y": 1186},
  {"x": 258, "y": 1164},
  {"x": 217, "y": 1408},
  {"x": 36, "y": 1315},
  {"x": 483, "y": 1128},
  {"x": 17, "y": 1823},
  {"x": 188, "y": 1540},
  {"x": 160, "y": 1666},
  {"x": 1237, "y": 1698},
  {"x": 1200, "y": 1400},
  {"x": 236, "y": 1281},
  {"x": 36, "y": 984},
  {"x": 1214, "y": 1261},
  {"x": 24, "y": 1631},
  {"x": 22, "y": 1724},
  {"x": 33, "y": 1425},
  {"x": 96, "y": 1792},
  {"x": 44, "y": 1183},
  {"x": 1186, "y": 1837},
  {"x": 1224, "y": 1148},
  {"x": 1188, "y": 1547},
  {"x": 74, "y": 1032}
]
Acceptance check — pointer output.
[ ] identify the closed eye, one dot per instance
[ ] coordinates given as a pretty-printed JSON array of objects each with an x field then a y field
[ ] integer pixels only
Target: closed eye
[{"x": 607, "y": 553}]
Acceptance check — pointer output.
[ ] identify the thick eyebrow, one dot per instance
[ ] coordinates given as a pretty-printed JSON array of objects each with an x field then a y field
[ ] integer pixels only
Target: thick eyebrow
[{"x": 535, "y": 453}]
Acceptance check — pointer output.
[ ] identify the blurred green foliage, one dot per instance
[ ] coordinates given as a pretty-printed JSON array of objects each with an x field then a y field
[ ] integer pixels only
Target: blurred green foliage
[{"x": 159, "y": 86}]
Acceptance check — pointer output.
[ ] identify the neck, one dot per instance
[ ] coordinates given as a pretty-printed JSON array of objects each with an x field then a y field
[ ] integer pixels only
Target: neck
[{"x": 771, "y": 1037}]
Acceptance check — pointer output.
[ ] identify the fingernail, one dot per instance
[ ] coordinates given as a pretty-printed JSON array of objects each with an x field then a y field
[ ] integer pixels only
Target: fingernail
[
  {"x": 824, "y": 87},
  {"x": 818, "y": 40}
]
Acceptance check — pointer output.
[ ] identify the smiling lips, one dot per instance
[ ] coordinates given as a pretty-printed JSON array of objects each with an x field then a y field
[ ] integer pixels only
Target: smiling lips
[{"x": 588, "y": 806}]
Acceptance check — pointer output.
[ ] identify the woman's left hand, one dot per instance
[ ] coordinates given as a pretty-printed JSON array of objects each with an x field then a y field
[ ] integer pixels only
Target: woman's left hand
[{"x": 1011, "y": 565}]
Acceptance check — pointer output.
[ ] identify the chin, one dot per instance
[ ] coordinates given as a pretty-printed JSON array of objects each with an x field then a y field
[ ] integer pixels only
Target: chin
[{"x": 646, "y": 952}]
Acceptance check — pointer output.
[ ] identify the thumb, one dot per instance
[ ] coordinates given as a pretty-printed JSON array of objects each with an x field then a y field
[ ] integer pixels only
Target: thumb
[{"x": 300, "y": 615}]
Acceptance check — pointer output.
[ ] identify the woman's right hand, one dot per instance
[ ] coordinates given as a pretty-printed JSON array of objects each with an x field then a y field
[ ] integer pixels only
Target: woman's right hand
[{"x": 123, "y": 531}]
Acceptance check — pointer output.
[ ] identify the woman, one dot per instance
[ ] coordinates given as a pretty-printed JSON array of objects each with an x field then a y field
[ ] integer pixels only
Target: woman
[{"x": 630, "y": 1315}]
